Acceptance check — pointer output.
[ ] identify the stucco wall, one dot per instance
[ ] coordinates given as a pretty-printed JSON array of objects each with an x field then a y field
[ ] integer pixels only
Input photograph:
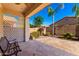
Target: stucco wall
[
  {"x": 12, "y": 32},
  {"x": 27, "y": 30},
  {"x": 66, "y": 29},
  {"x": 33, "y": 29}
]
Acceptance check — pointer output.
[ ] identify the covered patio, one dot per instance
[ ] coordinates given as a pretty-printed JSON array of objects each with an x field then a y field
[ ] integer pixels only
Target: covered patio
[
  {"x": 14, "y": 19},
  {"x": 14, "y": 24}
]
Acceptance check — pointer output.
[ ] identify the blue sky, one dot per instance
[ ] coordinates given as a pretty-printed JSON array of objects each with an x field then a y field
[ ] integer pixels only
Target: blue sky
[{"x": 66, "y": 11}]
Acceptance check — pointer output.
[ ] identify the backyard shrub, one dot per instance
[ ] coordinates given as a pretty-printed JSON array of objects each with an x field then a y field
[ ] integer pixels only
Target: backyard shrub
[
  {"x": 31, "y": 38},
  {"x": 40, "y": 31},
  {"x": 67, "y": 36},
  {"x": 35, "y": 34}
]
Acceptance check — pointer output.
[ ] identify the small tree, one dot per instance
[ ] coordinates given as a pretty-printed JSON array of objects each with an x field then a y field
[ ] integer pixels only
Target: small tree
[
  {"x": 31, "y": 26},
  {"x": 40, "y": 31},
  {"x": 38, "y": 21}
]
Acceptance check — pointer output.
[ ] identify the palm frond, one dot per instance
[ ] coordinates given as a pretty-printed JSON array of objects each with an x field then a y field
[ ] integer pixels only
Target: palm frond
[
  {"x": 77, "y": 12},
  {"x": 74, "y": 9},
  {"x": 50, "y": 11}
]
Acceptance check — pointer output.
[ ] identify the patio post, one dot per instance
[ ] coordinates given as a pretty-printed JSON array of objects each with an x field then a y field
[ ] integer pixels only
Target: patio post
[
  {"x": 53, "y": 26},
  {"x": 27, "y": 29},
  {"x": 1, "y": 22}
]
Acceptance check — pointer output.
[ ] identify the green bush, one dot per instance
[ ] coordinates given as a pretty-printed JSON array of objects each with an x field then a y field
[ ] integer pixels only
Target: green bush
[
  {"x": 40, "y": 30},
  {"x": 67, "y": 36},
  {"x": 35, "y": 34}
]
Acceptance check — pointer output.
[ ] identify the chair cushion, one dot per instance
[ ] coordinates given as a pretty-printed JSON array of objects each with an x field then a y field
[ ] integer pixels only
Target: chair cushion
[{"x": 3, "y": 43}]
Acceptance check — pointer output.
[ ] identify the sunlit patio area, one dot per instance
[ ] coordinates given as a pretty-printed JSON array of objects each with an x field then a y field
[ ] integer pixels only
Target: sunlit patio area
[{"x": 37, "y": 48}]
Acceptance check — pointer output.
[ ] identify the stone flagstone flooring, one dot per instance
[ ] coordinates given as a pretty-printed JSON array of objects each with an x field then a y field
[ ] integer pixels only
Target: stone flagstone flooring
[
  {"x": 63, "y": 44},
  {"x": 36, "y": 48}
]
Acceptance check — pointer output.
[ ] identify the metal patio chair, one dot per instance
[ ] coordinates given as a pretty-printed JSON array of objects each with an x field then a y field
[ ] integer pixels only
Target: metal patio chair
[{"x": 8, "y": 48}]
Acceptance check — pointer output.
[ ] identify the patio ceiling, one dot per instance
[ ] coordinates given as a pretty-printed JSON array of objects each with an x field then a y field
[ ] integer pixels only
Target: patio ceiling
[{"x": 23, "y": 8}]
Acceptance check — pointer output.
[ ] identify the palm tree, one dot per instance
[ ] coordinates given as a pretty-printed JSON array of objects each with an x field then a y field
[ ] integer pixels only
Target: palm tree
[
  {"x": 52, "y": 12},
  {"x": 38, "y": 21},
  {"x": 76, "y": 10}
]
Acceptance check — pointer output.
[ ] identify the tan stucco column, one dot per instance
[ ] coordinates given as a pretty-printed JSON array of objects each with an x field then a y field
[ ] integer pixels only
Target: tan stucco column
[
  {"x": 1, "y": 21},
  {"x": 27, "y": 29}
]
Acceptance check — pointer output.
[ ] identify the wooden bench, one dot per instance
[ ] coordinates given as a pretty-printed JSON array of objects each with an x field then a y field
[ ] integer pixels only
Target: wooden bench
[{"x": 8, "y": 48}]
